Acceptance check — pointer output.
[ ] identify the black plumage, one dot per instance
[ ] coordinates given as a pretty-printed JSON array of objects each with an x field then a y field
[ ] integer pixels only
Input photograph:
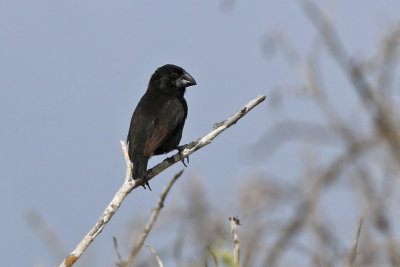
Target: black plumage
[{"x": 157, "y": 122}]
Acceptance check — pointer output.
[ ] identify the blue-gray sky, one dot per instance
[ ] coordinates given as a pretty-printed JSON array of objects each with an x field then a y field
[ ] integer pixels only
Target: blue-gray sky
[{"x": 72, "y": 72}]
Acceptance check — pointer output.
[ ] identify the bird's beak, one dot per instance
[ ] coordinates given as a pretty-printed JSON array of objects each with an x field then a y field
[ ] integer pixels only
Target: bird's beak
[{"x": 185, "y": 80}]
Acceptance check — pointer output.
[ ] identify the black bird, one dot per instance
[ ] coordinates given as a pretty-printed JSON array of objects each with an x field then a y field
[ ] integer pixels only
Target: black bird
[{"x": 157, "y": 122}]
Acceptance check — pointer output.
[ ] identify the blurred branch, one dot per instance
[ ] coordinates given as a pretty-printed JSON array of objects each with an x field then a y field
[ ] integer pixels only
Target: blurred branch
[
  {"x": 130, "y": 184},
  {"x": 389, "y": 51},
  {"x": 234, "y": 223},
  {"x": 253, "y": 245},
  {"x": 374, "y": 202},
  {"x": 306, "y": 208},
  {"x": 310, "y": 72},
  {"x": 289, "y": 130},
  {"x": 116, "y": 248},
  {"x": 353, "y": 253},
  {"x": 154, "y": 214},
  {"x": 380, "y": 106},
  {"x": 155, "y": 255},
  {"x": 372, "y": 81},
  {"x": 372, "y": 141},
  {"x": 46, "y": 233}
]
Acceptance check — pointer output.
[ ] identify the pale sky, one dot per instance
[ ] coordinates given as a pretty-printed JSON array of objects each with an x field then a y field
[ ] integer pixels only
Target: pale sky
[{"x": 73, "y": 71}]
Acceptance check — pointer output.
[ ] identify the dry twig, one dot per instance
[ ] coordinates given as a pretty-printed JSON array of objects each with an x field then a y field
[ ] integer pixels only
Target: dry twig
[
  {"x": 154, "y": 214},
  {"x": 353, "y": 253},
  {"x": 377, "y": 104},
  {"x": 306, "y": 208},
  {"x": 116, "y": 248},
  {"x": 46, "y": 233},
  {"x": 129, "y": 184},
  {"x": 234, "y": 223},
  {"x": 155, "y": 255}
]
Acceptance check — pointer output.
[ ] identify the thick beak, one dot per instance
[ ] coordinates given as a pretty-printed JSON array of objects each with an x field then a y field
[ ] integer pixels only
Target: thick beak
[{"x": 185, "y": 80}]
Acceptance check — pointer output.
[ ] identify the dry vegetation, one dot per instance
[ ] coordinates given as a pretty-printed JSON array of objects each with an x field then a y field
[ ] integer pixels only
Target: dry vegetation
[{"x": 288, "y": 224}]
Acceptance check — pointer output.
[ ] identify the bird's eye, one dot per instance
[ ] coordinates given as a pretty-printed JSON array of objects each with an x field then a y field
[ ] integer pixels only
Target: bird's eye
[{"x": 174, "y": 74}]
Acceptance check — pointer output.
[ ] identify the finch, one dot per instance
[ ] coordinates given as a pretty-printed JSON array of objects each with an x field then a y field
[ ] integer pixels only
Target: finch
[{"x": 157, "y": 122}]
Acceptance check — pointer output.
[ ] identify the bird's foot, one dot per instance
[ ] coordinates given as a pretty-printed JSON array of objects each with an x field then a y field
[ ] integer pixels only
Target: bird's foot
[
  {"x": 180, "y": 149},
  {"x": 146, "y": 183}
]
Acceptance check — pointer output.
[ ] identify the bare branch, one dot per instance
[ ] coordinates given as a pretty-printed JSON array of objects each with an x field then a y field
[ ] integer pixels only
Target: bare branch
[
  {"x": 234, "y": 223},
  {"x": 129, "y": 184},
  {"x": 116, "y": 248},
  {"x": 155, "y": 255},
  {"x": 380, "y": 107},
  {"x": 205, "y": 140},
  {"x": 289, "y": 130},
  {"x": 339, "y": 53},
  {"x": 154, "y": 214},
  {"x": 306, "y": 207},
  {"x": 353, "y": 253},
  {"x": 46, "y": 233},
  {"x": 389, "y": 60}
]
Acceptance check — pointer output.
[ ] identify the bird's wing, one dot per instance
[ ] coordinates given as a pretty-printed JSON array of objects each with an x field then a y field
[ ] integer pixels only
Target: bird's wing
[
  {"x": 171, "y": 115},
  {"x": 157, "y": 137}
]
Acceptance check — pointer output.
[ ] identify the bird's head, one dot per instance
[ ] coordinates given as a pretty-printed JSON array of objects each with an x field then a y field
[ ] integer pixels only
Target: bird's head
[{"x": 171, "y": 79}]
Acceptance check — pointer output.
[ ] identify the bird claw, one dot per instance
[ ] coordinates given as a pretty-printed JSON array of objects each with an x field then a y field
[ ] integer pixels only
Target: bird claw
[
  {"x": 146, "y": 183},
  {"x": 180, "y": 149},
  {"x": 183, "y": 160}
]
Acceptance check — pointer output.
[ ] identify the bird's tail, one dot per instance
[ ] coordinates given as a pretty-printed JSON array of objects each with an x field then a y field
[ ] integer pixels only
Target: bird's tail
[{"x": 139, "y": 170}]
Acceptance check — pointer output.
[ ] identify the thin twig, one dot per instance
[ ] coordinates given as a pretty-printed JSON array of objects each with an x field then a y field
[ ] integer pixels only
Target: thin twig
[
  {"x": 377, "y": 104},
  {"x": 205, "y": 140},
  {"x": 129, "y": 184},
  {"x": 45, "y": 232},
  {"x": 306, "y": 208},
  {"x": 116, "y": 248},
  {"x": 234, "y": 223},
  {"x": 353, "y": 253},
  {"x": 155, "y": 255},
  {"x": 154, "y": 214}
]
